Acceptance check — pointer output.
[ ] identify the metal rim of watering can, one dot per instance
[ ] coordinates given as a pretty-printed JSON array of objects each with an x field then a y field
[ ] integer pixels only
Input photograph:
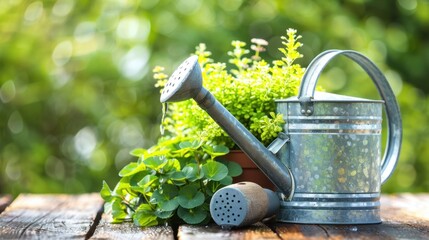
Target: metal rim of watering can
[{"x": 394, "y": 140}]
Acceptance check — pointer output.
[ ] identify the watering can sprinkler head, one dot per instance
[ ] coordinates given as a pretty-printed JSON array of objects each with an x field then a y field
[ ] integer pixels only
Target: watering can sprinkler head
[
  {"x": 243, "y": 204},
  {"x": 186, "y": 83}
]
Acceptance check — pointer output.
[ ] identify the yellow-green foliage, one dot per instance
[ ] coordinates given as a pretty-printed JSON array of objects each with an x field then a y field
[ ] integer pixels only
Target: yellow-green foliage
[{"x": 247, "y": 90}]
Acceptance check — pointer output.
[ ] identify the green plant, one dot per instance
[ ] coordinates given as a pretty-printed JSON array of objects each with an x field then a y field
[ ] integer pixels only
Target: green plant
[
  {"x": 247, "y": 90},
  {"x": 175, "y": 178}
]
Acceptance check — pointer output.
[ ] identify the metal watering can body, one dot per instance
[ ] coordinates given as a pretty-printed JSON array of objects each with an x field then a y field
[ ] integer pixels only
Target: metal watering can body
[
  {"x": 327, "y": 163},
  {"x": 335, "y": 157}
]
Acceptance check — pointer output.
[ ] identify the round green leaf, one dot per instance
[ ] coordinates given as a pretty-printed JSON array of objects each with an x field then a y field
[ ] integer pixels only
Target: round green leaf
[
  {"x": 220, "y": 149},
  {"x": 185, "y": 144},
  {"x": 105, "y": 192},
  {"x": 131, "y": 169},
  {"x": 191, "y": 172},
  {"x": 190, "y": 197},
  {"x": 192, "y": 216},
  {"x": 147, "y": 181},
  {"x": 155, "y": 163},
  {"x": 226, "y": 180},
  {"x": 234, "y": 169},
  {"x": 163, "y": 214},
  {"x": 122, "y": 186},
  {"x": 136, "y": 178},
  {"x": 190, "y": 144},
  {"x": 177, "y": 176},
  {"x": 165, "y": 197},
  {"x": 144, "y": 216},
  {"x": 215, "y": 151},
  {"x": 215, "y": 171},
  {"x": 138, "y": 152},
  {"x": 169, "y": 205},
  {"x": 172, "y": 165},
  {"x": 118, "y": 210},
  {"x": 165, "y": 192}
]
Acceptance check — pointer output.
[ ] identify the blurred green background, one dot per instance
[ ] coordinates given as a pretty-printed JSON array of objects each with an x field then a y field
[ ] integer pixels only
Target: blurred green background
[{"x": 76, "y": 88}]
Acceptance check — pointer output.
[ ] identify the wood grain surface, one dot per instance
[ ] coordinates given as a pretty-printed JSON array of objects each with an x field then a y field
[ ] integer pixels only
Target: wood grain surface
[
  {"x": 47, "y": 216},
  {"x": 43, "y": 216}
]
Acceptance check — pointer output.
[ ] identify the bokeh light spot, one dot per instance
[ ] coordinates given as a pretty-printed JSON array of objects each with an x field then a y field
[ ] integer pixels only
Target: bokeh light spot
[
  {"x": 409, "y": 5},
  {"x": 133, "y": 63},
  {"x": 13, "y": 171},
  {"x": 7, "y": 91},
  {"x": 230, "y": 5},
  {"x": 15, "y": 123},
  {"x": 62, "y": 53},
  {"x": 85, "y": 142},
  {"x": 63, "y": 7},
  {"x": 84, "y": 31},
  {"x": 34, "y": 11},
  {"x": 133, "y": 28},
  {"x": 397, "y": 39}
]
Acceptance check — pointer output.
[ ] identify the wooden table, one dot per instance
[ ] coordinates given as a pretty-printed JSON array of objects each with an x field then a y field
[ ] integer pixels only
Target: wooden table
[{"x": 47, "y": 216}]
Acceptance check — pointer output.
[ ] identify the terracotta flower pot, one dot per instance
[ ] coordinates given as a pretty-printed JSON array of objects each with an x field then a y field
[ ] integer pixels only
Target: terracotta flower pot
[{"x": 251, "y": 172}]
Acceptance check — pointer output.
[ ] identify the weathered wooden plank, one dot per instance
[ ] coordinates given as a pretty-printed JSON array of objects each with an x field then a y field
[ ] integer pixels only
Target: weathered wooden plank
[
  {"x": 299, "y": 231},
  {"x": 406, "y": 208},
  {"x": 379, "y": 231},
  {"x": 385, "y": 230},
  {"x": 5, "y": 200},
  {"x": 44, "y": 216},
  {"x": 405, "y": 216},
  {"x": 255, "y": 231},
  {"x": 128, "y": 231}
]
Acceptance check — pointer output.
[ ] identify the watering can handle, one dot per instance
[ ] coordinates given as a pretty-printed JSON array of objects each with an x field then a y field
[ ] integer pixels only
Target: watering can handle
[{"x": 308, "y": 85}]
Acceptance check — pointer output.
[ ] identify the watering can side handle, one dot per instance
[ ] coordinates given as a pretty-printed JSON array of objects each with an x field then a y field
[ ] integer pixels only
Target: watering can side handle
[{"x": 394, "y": 140}]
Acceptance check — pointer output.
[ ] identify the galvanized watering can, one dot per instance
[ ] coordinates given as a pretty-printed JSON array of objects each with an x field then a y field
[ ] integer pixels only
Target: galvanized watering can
[{"x": 327, "y": 162}]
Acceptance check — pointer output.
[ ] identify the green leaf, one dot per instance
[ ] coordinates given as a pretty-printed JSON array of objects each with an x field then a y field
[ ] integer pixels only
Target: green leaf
[
  {"x": 192, "y": 216},
  {"x": 144, "y": 216},
  {"x": 191, "y": 172},
  {"x": 215, "y": 171},
  {"x": 105, "y": 192},
  {"x": 107, "y": 207},
  {"x": 138, "y": 152},
  {"x": 131, "y": 169},
  {"x": 177, "y": 176},
  {"x": 147, "y": 181},
  {"x": 122, "y": 186},
  {"x": 118, "y": 211},
  {"x": 164, "y": 214},
  {"x": 144, "y": 185},
  {"x": 185, "y": 144},
  {"x": 226, "y": 181},
  {"x": 155, "y": 153},
  {"x": 234, "y": 169},
  {"x": 190, "y": 197},
  {"x": 136, "y": 178},
  {"x": 155, "y": 163},
  {"x": 220, "y": 149},
  {"x": 172, "y": 165},
  {"x": 215, "y": 151},
  {"x": 190, "y": 144},
  {"x": 168, "y": 205},
  {"x": 165, "y": 197}
]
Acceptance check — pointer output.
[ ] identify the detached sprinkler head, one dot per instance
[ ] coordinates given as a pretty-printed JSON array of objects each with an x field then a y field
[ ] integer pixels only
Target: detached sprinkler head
[
  {"x": 184, "y": 83},
  {"x": 243, "y": 204}
]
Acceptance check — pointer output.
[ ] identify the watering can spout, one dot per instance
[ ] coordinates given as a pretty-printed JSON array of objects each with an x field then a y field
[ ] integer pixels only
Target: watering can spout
[{"x": 186, "y": 83}]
